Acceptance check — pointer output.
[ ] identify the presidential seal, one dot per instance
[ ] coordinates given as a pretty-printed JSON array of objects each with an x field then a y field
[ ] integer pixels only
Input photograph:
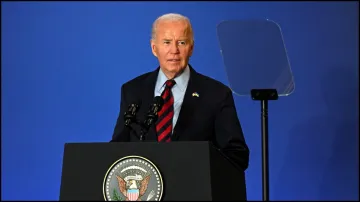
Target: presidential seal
[{"x": 133, "y": 178}]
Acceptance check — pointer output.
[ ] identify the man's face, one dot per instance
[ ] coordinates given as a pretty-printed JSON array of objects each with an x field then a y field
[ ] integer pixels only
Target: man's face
[{"x": 172, "y": 46}]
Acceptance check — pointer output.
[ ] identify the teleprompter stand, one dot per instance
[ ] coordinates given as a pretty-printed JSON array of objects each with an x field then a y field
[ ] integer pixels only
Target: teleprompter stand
[{"x": 263, "y": 95}]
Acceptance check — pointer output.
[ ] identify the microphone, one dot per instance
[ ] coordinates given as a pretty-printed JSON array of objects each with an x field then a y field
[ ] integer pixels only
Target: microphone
[
  {"x": 130, "y": 115},
  {"x": 129, "y": 119},
  {"x": 152, "y": 115}
]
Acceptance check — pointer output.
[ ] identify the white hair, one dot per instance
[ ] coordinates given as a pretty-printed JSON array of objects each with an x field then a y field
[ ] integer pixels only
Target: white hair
[{"x": 171, "y": 17}]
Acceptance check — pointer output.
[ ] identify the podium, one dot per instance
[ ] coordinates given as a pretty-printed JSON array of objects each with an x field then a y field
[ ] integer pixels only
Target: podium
[{"x": 149, "y": 171}]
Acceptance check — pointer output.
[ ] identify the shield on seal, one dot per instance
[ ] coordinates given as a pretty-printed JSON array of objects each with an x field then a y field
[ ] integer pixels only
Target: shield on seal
[{"x": 132, "y": 194}]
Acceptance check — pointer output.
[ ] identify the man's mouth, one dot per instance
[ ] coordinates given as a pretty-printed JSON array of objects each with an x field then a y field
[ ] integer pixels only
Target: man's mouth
[{"x": 174, "y": 60}]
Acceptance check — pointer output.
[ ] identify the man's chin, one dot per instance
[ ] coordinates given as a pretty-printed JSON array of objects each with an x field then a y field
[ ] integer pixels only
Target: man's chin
[
  {"x": 174, "y": 70},
  {"x": 174, "y": 67}
]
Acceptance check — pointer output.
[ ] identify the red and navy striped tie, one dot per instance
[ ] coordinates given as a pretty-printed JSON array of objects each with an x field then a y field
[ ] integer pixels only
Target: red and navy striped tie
[{"x": 164, "y": 123}]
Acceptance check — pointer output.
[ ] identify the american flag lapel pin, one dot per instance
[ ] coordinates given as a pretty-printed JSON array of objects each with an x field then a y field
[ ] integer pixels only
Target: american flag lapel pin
[{"x": 195, "y": 94}]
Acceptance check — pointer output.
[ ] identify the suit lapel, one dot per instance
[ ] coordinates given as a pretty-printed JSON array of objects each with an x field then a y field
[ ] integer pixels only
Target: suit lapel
[{"x": 188, "y": 105}]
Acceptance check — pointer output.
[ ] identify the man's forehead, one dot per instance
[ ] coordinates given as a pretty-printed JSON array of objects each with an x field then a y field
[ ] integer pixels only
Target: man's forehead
[
  {"x": 169, "y": 30},
  {"x": 176, "y": 25},
  {"x": 171, "y": 33},
  {"x": 174, "y": 37}
]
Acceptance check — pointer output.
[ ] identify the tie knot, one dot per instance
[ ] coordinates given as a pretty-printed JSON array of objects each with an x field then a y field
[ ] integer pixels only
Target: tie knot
[{"x": 170, "y": 83}]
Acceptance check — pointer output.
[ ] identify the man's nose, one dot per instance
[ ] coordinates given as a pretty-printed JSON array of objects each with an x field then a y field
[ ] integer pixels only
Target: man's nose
[{"x": 174, "y": 48}]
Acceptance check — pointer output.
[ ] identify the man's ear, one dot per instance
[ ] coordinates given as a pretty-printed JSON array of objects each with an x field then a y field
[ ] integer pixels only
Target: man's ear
[{"x": 153, "y": 47}]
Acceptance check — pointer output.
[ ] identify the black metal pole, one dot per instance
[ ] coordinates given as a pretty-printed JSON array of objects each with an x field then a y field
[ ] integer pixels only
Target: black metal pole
[
  {"x": 264, "y": 95},
  {"x": 265, "y": 152}
]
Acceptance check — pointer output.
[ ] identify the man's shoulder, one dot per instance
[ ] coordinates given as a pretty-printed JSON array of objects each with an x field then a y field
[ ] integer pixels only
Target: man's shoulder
[
  {"x": 139, "y": 80},
  {"x": 212, "y": 84}
]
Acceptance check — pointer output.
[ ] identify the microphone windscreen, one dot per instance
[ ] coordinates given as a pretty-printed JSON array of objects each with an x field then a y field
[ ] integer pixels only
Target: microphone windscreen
[{"x": 159, "y": 101}]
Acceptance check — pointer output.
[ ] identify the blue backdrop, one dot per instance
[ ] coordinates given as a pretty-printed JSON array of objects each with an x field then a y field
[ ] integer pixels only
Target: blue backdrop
[{"x": 63, "y": 64}]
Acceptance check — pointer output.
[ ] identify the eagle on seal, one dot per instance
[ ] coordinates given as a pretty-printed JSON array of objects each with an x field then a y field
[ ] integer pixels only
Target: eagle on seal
[{"x": 130, "y": 190}]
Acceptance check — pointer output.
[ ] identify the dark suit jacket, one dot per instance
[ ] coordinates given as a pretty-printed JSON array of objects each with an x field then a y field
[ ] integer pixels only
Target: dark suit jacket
[{"x": 210, "y": 117}]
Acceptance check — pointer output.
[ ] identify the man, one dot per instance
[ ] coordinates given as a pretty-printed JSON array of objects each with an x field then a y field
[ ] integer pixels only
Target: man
[{"x": 196, "y": 107}]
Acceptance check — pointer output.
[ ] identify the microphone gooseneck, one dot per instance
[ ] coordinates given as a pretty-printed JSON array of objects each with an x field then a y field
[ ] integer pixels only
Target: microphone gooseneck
[{"x": 152, "y": 115}]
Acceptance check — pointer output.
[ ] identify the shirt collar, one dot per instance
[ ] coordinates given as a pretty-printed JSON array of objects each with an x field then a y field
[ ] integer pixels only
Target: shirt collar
[{"x": 181, "y": 80}]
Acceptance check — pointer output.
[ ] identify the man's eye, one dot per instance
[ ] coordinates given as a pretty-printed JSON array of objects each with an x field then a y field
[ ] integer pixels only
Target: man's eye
[
  {"x": 166, "y": 42},
  {"x": 182, "y": 42}
]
